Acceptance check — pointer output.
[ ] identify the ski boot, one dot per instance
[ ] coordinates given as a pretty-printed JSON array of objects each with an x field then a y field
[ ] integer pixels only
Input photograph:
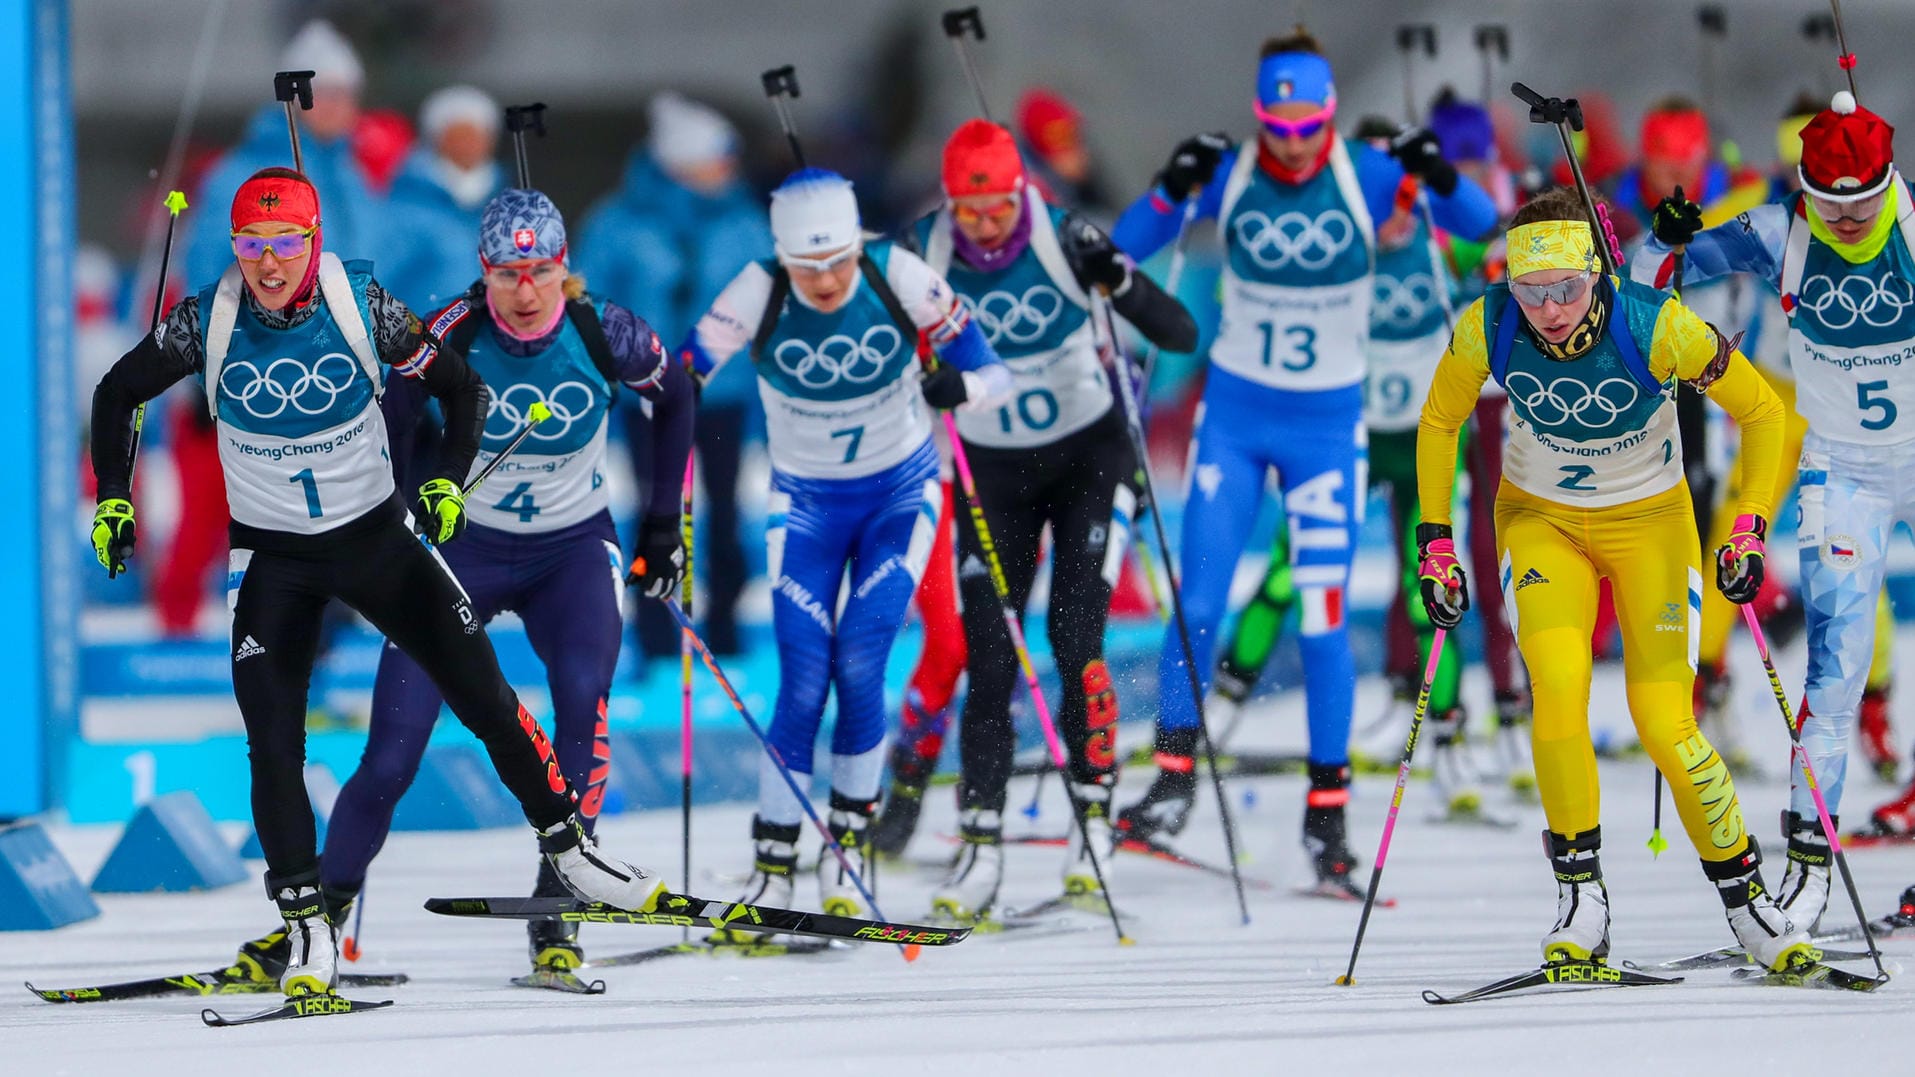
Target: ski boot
[
  {"x": 1716, "y": 717},
  {"x": 1092, "y": 801},
  {"x": 1897, "y": 817},
  {"x": 914, "y": 757},
  {"x": 1805, "y": 882},
  {"x": 593, "y": 876},
  {"x": 261, "y": 960},
  {"x": 1166, "y": 805},
  {"x": 1901, "y": 920},
  {"x": 1324, "y": 833},
  {"x": 1512, "y": 746},
  {"x": 553, "y": 943},
  {"x": 1764, "y": 930},
  {"x": 312, "y": 953},
  {"x": 838, "y": 892},
  {"x": 969, "y": 892},
  {"x": 1878, "y": 735},
  {"x": 1456, "y": 778},
  {"x": 1582, "y": 901},
  {"x": 771, "y": 882}
]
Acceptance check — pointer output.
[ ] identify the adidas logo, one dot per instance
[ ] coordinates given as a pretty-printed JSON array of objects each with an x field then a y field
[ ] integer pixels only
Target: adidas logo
[
  {"x": 248, "y": 647},
  {"x": 1532, "y": 576}
]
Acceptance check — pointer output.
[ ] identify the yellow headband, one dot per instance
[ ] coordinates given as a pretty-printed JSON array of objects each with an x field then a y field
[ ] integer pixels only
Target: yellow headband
[{"x": 1551, "y": 245}]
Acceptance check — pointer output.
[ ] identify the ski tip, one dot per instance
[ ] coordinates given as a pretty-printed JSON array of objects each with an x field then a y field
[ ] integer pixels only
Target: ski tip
[{"x": 911, "y": 951}]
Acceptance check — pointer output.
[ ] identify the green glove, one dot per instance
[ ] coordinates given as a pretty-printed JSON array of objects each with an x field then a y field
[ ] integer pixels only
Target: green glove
[
  {"x": 113, "y": 534},
  {"x": 441, "y": 511}
]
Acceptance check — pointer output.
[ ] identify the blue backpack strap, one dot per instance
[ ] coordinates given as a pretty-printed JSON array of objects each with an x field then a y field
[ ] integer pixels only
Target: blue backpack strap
[
  {"x": 1506, "y": 323},
  {"x": 1632, "y": 357}
]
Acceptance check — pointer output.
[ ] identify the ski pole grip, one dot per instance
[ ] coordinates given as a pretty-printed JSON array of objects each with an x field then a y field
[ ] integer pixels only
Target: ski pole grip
[
  {"x": 959, "y": 21},
  {"x": 1411, "y": 35},
  {"x": 1493, "y": 37},
  {"x": 780, "y": 81},
  {"x": 530, "y": 117},
  {"x": 294, "y": 85}
]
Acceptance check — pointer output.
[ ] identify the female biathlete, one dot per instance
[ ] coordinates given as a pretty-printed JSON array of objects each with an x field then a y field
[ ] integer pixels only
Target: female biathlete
[
  {"x": 1593, "y": 489},
  {"x": 1057, "y": 453},
  {"x": 541, "y": 542},
  {"x": 292, "y": 346},
  {"x": 832, "y": 326}
]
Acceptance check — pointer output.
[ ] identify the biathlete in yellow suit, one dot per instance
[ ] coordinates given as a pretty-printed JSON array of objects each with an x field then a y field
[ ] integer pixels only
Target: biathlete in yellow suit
[{"x": 1592, "y": 489}]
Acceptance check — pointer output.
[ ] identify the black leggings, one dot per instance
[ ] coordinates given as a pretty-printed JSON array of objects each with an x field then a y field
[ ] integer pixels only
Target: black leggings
[
  {"x": 377, "y": 567},
  {"x": 1071, "y": 484}
]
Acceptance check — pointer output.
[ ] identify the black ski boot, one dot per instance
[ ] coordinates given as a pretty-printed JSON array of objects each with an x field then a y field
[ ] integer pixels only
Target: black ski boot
[
  {"x": 1324, "y": 832},
  {"x": 1166, "y": 805}
]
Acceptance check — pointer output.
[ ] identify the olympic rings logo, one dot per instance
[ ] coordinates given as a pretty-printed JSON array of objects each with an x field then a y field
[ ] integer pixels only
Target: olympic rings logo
[
  {"x": 288, "y": 383},
  {"x": 838, "y": 357},
  {"x": 1294, "y": 238},
  {"x": 1019, "y": 319},
  {"x": 1569, "y": 398},
  {"x": 1403, "y": 303},
  {"x": 569, "y": 402},
  {"x": 1877, "y": 303}
]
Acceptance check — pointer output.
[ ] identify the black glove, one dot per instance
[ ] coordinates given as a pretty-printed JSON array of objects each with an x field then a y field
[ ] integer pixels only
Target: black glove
[
  {"x": 1676, "y": 220},
  {"x": 1095, "y": 258},
  {"x": 660, "y": 565},
  {"x": 1193, "y": 163},
  {"x": 944, "y": 387},
  {"x": 1421, "y": 155}
]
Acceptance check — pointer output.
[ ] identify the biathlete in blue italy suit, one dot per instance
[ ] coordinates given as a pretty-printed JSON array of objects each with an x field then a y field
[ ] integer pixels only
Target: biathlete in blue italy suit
[
  {"x": 293, "y": 349},
  {"x": 1296, "y": 211},
  {"x": 541, "y": 542},
  {"x": 832, "y": 326}
]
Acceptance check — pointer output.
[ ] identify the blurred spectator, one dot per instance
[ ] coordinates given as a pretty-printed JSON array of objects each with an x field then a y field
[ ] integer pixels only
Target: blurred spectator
[
  {"x": 431, "y": 251},
  {"x": 380, "y": 142},
  {"x": 325, "y": 139},
  {"x": 1784, "y": 179},
  {"x": 100, "y": 335},
  {"x": 664, "y": 245},
  {"x": 1052, "y": 132}
]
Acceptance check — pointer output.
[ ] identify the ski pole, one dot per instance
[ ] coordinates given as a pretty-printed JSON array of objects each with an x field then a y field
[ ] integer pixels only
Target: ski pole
[
  {"x": 1815, "y": 790},
  {"x": 1174, "y": 276},
  {"x": 1714, "y": 23},
  {"x": 534, "y": 415},
  {"x": 781, "y": 85},
  {"x": 910, "y": 950},
  {"x": 1845, "y": 59},
  {"x": 1348, "y": 979},
  {"x": 518, "y": 120},
  {"x": 1011, "y": 624},
  {"x": 960, "y": 24},
  {"x": 175, "y": 201},
  {"x": 1134, "y": 423},
  {"x": 290, "y": 87},
  {"x": 349, "y": 945},
  {"x": 1657, "y": 843},
  {"x": 1409, "y": 37},
  {"x": 1567, "y": 115},
  {"x": 685, "y": 691},
  {"x": 1491, "y": 38}
]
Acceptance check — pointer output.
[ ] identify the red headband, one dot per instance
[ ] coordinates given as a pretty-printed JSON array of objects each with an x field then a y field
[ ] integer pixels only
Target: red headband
[{"x": 276, "y": 198}]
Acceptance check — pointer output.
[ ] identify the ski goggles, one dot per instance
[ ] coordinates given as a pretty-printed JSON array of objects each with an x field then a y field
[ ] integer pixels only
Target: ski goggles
[
  {"x": 821, "y": 265},
  {"x": 1562, "y": 292},
  {"x": 1860, "y": 210},
  {"x": 1001, "y": 212},
  {"x": 252, "y": 248},
  {"x": 1300, "y": 128},
  {"x": 540, "y": 273}
]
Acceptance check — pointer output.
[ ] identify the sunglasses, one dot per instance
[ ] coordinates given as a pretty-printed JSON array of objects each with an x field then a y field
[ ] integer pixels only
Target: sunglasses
[
  {"x": 252, "y": 248},
  {"x": 1861, "y": 211},
  {"x": 821, "y": 265},
  {"x": 1302, "y": 127},
  {"x": 540, "y": 275},
  {"x": 1562, "y": 293},
  {"x": 1000, "y": 212}
]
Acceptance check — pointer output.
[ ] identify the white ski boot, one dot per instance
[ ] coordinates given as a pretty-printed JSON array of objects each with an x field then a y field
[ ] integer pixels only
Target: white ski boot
[
  {"x": 1092, "y": 799},
  {"x": 775, "y": 862},
  {"x": 969, "y": 892},
  {"x": 1805, "y": 882},
  {"x": 1457, "y": 781},
  {"x": 1513, "y": 748},
  {"x": 837, "y": 888},
  {"x": 593, "y": 876},
  {"x": 312, "y": 959},
  {"x": 1764, "y": 930},
  {"x": 1582, "y": 901}
]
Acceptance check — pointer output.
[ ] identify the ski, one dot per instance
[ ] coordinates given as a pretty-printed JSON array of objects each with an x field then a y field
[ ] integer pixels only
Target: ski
[
  {"x": 1811, "y": 974},
  {"x": 682, "y": 911},
  {"x": 1736, "y": 955},
  {"x": 303, "y": 1006},
  {"x": 217, "y": 982},
  {"x": 793, "y": 948},
  {"x": 557, "y": 979},
  {"x": 1572, "y": 974},
  {"x": 1869, "y": 839},
  {"x": 1340, "y": 890}
]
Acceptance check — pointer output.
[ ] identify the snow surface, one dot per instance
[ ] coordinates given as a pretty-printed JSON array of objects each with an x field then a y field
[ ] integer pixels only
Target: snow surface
[{"x": 1197, "y": 993}]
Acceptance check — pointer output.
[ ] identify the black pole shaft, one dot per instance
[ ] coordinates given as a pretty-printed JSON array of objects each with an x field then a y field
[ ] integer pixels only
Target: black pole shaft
[{"x": 292, "y": 132}]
